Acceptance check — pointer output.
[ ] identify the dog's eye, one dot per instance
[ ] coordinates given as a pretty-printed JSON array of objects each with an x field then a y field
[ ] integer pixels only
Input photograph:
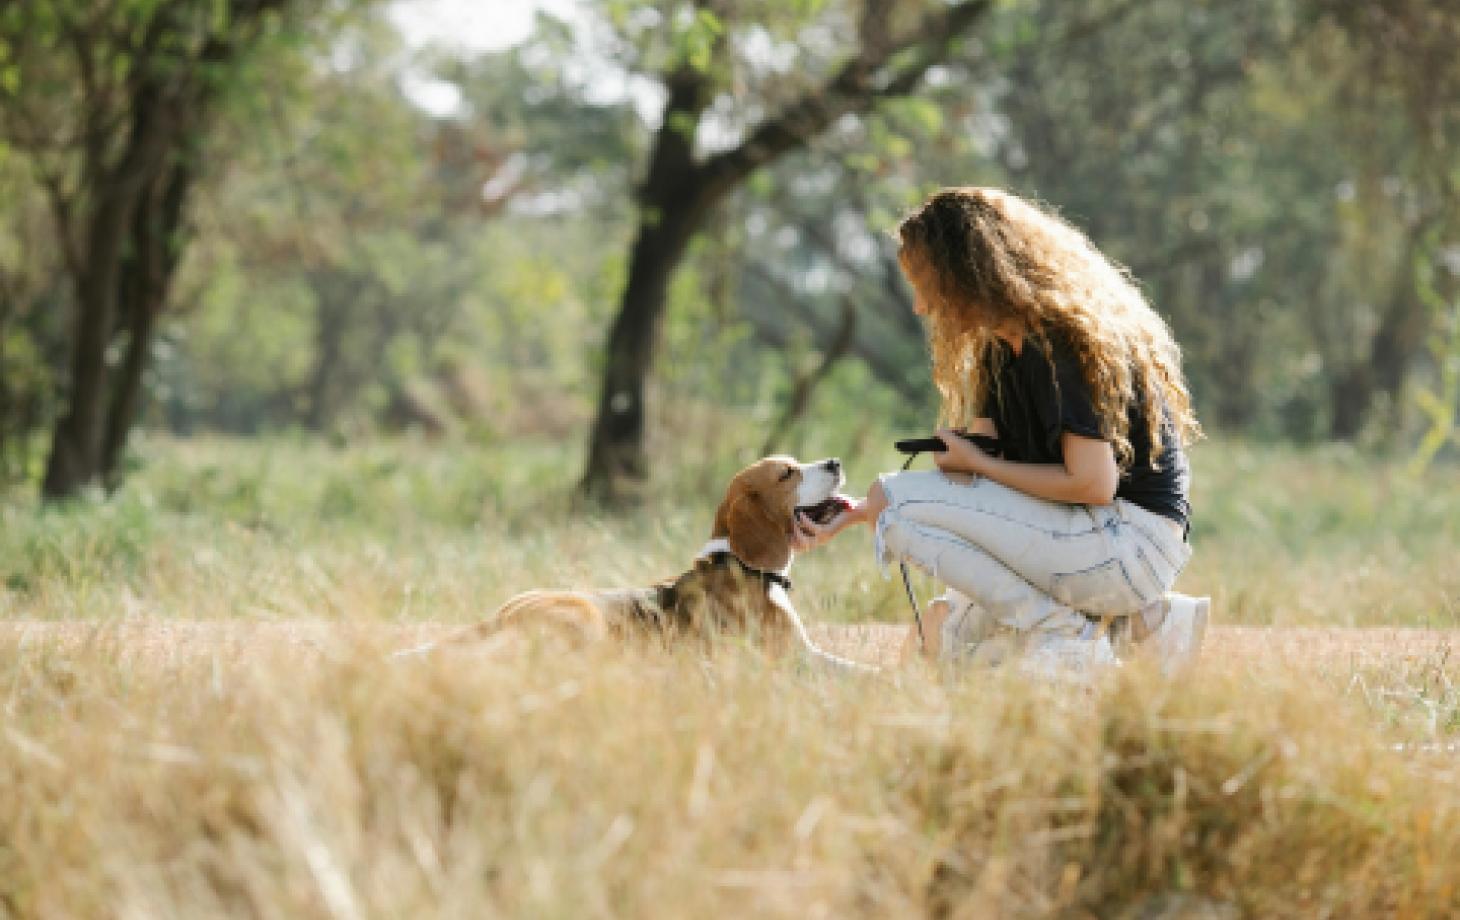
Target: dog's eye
[{"x": 790, "y": 471}]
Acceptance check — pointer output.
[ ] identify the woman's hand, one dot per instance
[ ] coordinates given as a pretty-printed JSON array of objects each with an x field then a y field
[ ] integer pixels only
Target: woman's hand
[
  {"x": 962, "y": 455},
  {"x": 806, "y": 534}
]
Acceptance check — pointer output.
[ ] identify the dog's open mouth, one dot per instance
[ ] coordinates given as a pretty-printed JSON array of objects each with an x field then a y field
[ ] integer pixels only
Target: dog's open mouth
[{"x": 822, "y": 512}]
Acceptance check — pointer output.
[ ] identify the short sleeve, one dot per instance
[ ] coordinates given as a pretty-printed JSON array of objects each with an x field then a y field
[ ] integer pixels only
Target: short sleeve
[{"x": 1072, "y": 408}]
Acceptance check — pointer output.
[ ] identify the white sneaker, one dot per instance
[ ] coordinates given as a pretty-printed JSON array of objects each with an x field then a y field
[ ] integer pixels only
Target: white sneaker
[
  {"x": 1068, "y": 659},
  {"x": 1176, "y": 643}
]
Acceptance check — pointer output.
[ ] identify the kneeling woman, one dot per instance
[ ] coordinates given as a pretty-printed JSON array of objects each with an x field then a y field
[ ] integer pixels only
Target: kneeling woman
[{"x": 1080, "y": 523}]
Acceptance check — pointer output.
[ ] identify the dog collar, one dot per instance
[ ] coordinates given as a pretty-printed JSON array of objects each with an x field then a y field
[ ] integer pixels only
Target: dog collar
[{"x": 724, "y": 557}]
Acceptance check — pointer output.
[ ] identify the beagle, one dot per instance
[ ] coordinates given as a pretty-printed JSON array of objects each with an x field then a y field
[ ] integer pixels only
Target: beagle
[{"x": 737, "y": 584}]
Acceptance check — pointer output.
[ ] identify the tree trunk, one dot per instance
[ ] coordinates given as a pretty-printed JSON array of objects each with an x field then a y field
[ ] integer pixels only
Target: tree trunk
[
  {"x": 76, "y": 446},
  {"x": 114, "y": 192},
  {"x": 672, "y": 201},
  {"x": 617, "y": 465},
  {"x": 146, "y": 279},
  {"x": 1349, "y": 396},
  {"x": 1399, "y": 338},
  {"x": 336, "y": 293},
  {"x": 128, "y": 145},
  {"x": 679, "y": 191}
]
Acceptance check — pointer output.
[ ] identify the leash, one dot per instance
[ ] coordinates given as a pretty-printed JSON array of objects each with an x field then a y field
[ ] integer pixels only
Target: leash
[
  {"x": 912, "y": 447},
  {"x": 907, "y": 583}
]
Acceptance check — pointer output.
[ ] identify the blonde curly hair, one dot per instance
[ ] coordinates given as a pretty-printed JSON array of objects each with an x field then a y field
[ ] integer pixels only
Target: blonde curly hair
[{"x": 980, "y": 257}]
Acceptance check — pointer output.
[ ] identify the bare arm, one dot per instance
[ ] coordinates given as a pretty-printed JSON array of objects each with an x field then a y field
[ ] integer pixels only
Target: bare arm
[
  {"x": 1088, "y": 476},
  {"x": 983, "y": 425}
]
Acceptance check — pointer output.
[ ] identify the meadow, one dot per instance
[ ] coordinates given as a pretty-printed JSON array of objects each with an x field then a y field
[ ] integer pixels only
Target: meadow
[{"x": 201, "y": 718}]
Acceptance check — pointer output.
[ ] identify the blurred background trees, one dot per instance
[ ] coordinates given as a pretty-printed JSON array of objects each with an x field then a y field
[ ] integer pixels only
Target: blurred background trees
[
  {"x": 329, "y": 223},
  {"x": 110, "y": 103}
]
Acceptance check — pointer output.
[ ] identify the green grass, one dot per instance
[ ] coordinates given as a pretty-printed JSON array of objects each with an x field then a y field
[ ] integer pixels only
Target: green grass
[
  {"x": 403, "y": 530},
  {"x": 168, "y": 749}
]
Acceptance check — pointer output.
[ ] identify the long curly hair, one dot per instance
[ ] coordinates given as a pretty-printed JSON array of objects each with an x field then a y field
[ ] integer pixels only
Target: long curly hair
[{"x": 980, "y": 257}]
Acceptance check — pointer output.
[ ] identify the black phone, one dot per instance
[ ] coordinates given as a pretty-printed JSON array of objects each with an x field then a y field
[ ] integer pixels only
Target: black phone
[{"x": 986, "y": 443}]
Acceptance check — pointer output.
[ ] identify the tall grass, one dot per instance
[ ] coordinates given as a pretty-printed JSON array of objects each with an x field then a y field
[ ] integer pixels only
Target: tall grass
[
  {"x": 259, "y": 774},
  {"x": 201, "y": 719},
  {"x": 404, "y": 530}
]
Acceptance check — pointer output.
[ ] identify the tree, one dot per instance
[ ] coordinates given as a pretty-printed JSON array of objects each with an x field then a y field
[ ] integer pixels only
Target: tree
[
  {"x": 893, "y": 49},
  {"x": 111, "y": 101},
  {"x": 31, "y": 299},
  {"x": 350, "y": 268},
  {"x": 1396, "y": 74}
]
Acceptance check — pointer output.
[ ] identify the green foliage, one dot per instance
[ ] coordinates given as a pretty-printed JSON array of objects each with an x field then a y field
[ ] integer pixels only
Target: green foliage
[
  {"x": 1282, "y": 536},
  {"x": 1441, "y": 405},
  {"x": 695, "y": 43},
  {"x": 363, "y": 264},
  {"x": 1287, "y": 535},
  {"x": 80, "y": 545}
]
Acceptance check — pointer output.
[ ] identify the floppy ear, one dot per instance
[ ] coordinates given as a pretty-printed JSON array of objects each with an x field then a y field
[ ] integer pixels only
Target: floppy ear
[{"x": 757, "y": 535}]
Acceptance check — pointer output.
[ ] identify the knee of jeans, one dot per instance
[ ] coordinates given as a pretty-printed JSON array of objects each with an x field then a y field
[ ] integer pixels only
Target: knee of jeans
[
  {"x": 886, "y": 484},
  {"x": 894, "y": 535},
  {"x": 890, "y": 541},
  {"x": 894, "y": 541}
]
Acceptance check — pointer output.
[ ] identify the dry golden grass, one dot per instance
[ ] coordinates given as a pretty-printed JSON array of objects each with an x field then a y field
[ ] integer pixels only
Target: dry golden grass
[
  {"x": 200, "y": 718},
  {"x": 160, "y": 768}
]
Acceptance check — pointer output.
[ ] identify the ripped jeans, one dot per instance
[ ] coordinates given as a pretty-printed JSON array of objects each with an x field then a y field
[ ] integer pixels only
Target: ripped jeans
[{"x": 1025, "y": 563}]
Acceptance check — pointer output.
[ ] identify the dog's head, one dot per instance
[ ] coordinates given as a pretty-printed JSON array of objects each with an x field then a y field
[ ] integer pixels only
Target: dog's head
[{"x": 761, "y": 502}]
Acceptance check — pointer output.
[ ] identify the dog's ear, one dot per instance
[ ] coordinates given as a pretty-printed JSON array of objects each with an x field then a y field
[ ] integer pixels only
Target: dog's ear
[{"x": 758, "y": 536}]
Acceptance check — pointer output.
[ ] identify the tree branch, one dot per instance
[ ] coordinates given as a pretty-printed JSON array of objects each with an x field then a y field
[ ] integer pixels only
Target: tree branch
[
  {"x": 672, "y": 162},
  {"x": 63, "y": 215},
  {"x": 806, "y": 383},
  {"x": 853, "y": 88},
  {"x": 886, "y": 367}
]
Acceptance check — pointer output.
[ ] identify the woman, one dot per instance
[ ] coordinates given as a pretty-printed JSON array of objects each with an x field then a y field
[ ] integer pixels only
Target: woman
[{"x": 1080, "y": 523}]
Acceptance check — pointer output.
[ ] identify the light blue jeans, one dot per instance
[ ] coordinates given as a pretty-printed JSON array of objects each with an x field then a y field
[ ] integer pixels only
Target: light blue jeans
[{"x": 1026, "y": 564}]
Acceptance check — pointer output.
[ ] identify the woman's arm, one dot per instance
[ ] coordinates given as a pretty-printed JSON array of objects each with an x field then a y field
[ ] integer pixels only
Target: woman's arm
[
  {"x": 983, "y": 425},
  {"x": 1088, "y": 476}
]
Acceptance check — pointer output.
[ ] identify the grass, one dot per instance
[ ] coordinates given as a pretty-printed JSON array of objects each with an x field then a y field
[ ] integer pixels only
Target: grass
[
  {"x": 200, "y": 718},
  {"x": 397, "y": 531},
  {"x": 275, "y": 773}
]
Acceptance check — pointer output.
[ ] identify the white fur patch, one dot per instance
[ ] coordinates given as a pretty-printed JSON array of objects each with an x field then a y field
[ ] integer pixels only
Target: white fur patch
[
  {"x": 818, "y": 483},
  {"x": 717, "y": 545},
  {"x": 781, "y": 599}
]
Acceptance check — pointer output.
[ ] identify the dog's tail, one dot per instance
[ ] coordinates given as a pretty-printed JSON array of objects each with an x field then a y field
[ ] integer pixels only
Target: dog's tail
[{"x": 568, "y": 614}]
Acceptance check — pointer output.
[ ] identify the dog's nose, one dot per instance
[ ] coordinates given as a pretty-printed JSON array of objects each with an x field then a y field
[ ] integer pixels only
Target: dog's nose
[{"x": 833, "y": 465}]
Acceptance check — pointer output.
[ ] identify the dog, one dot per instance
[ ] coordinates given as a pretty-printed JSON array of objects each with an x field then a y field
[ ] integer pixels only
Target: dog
[{"x": 737, "y": 584}]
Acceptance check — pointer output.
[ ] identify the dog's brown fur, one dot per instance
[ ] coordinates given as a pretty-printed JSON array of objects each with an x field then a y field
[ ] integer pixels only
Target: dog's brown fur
[{"x": 711, "y": 599}]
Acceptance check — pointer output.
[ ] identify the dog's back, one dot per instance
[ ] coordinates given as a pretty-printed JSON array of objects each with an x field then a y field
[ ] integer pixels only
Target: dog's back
[
  {"x": 712, "y": 598},
  {"x": 576, "y": 614},
  {"x": 736, "y": 586}
]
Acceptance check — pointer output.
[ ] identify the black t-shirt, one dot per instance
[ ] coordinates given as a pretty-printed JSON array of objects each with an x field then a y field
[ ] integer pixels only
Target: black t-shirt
[{"x": 1037, "y": 396}]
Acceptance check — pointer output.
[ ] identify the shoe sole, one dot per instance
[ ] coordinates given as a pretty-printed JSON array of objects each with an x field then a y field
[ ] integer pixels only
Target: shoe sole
[
  {"x": 1199, "y": 624},
  {"x": 1199, "y": 616}
]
